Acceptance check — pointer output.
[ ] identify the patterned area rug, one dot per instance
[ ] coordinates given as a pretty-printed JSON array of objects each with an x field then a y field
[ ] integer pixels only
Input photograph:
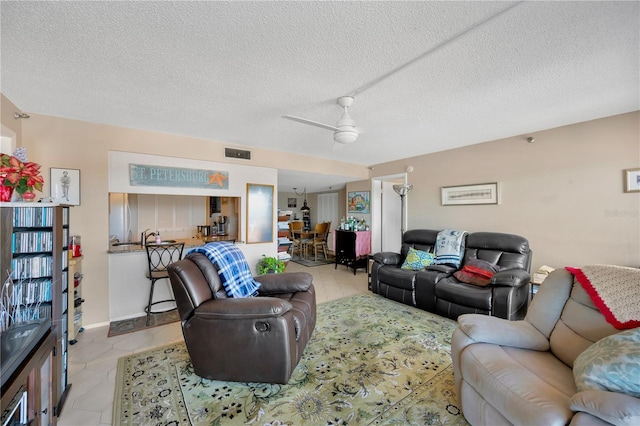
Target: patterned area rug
[{"x": 370, "y": 361}]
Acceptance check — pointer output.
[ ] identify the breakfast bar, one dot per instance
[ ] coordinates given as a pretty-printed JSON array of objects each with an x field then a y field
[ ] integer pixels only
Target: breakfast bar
[{"x": 128, "y": 284}]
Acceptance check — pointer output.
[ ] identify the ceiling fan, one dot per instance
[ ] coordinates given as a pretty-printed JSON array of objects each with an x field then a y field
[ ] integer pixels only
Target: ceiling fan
[{"x": 345, "y": 129}]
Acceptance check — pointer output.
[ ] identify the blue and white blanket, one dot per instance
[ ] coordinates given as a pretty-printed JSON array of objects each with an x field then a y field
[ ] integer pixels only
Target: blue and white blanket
[
  {"x": 232, "y": 267},
  {"x": 449, "y": 247}
]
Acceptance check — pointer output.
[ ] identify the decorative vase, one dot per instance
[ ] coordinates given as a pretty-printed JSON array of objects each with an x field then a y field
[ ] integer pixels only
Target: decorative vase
[
  {"x": 6, "y": 192},
  {"x": 29, "y": 196}
]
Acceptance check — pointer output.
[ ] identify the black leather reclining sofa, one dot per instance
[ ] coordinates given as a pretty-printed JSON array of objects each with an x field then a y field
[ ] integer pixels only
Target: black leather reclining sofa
[{"x": 436, "y": 289}]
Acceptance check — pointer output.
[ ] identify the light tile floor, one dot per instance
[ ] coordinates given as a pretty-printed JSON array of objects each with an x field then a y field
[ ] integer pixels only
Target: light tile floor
[{"x": 93, "y": 360}]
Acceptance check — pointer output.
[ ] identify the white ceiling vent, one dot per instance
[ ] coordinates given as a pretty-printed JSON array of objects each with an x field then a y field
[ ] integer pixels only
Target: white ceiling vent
[{"x": 237, "y": 153}]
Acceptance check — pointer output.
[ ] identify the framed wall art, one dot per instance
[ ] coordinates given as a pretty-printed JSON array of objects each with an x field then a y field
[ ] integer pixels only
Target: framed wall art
[
  {"x": 483, "y": 193},
  {"x": 358, "y": 202},
  {"x": 65, "y": 186},
  {"x": 632, "y": 180},
  {"x": 292, "y": 202},
  {"x": 259, "y": 213}
]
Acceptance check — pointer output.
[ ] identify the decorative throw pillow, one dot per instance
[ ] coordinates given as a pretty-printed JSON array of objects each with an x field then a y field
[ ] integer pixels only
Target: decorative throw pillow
[
  {"x": 611, "y": 364},
  {"x": 417, "y": 260},
  {"x": 477, "y": 272}
]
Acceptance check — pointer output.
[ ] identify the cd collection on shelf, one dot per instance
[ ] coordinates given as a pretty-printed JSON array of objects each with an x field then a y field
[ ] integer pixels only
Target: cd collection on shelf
[
  {"x": 37, "y": 266},
  {"x": 30, "y": 241},
  {"x": 29, "y": 292},
  {"x": 32, "y": 217}
]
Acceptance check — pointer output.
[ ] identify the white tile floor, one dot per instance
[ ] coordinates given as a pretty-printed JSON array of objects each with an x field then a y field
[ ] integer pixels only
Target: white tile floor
[{"x": 93, "y": 360}]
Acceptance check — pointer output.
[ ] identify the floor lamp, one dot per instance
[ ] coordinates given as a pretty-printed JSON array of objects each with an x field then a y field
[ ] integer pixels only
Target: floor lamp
[{"x": 402, "y": 191}]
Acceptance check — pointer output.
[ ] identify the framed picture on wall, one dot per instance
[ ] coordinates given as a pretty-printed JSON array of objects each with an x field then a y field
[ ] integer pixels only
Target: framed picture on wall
[
  {"x": 483, "y": 193},
  {"x": 358, "y": 202},
  {"x": 632, "y": 180},
  {"x": 259, "y": 213},
  {"x": 65, "y": 186},
  {"x": 292, "y": 202}
]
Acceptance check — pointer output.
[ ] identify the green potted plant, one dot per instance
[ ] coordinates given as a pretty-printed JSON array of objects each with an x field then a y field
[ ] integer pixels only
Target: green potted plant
[{"x": 270, "y": 265}]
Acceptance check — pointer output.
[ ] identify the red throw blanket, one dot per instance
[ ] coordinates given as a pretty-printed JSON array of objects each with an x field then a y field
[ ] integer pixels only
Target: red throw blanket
[{"x": 615, "y": 290}]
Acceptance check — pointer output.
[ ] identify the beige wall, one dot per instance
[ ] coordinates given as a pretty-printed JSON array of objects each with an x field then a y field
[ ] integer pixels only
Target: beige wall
[
  {"x": 564, "y": 192},
  {"x": 362, "y": 185},
  {"x": 11, "y": 128},
  {"x": 64, "y": 143}
]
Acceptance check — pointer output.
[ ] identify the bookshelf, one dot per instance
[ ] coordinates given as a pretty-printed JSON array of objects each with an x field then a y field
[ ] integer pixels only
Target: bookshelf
[
  {"x": 284, "y": 243},
  {"x": 34, "y": 258},
  {"x": 75, "y": 299}
]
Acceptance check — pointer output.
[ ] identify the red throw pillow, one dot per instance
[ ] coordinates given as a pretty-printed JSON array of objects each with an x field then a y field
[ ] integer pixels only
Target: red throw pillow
[{"x": 477, "y": 272}]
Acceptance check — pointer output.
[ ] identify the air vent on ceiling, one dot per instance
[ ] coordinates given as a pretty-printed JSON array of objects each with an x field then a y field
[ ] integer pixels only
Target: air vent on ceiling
[{"x": 237, "y": 153}]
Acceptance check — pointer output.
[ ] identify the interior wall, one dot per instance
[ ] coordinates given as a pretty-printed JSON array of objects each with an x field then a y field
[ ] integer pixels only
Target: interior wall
[
  {"x": 65, "y": 143},
  {"x": 11, "y": 129},
  {"x": 563, "y": 192},
  {"x": 361, "y": 185}
]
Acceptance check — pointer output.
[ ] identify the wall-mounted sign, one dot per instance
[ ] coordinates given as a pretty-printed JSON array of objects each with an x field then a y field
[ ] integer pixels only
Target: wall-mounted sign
[{"x": 145, "y": 175}]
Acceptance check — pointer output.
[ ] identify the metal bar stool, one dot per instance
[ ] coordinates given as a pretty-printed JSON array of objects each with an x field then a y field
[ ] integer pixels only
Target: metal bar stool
[{"x": 160, "y": 256}]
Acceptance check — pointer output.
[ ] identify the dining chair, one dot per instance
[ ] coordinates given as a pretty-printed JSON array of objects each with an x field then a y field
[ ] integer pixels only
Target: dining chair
[
  {"x": 295, "y": 228},
  {"x": 320, "y": 239}
]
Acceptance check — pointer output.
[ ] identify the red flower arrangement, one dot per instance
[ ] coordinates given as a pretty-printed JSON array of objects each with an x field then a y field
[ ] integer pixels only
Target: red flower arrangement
[{"x": 22, "y": 176}]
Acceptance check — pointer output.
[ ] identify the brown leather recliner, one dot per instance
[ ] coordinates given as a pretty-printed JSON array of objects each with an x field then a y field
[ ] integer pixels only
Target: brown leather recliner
[{"x": 255, "y": 339}]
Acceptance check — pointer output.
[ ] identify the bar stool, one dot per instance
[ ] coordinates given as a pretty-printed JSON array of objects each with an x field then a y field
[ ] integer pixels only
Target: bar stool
[{"x": 160, "y": 256}]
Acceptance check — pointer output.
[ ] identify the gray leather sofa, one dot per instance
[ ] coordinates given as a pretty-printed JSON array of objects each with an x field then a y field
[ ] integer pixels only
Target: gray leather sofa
[
  {"x": 436, "y": 289},
  {"x": 521, "y": 372}
]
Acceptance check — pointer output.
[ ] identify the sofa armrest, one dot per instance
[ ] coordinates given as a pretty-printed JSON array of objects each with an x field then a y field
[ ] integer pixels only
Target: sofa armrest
[
  {"x": 498, "y": 331},
  {"x": 511, "y": 278},
  {"x": 289, "y": 282},
  {"x": 246, "y": 308},
  {"x": 442, "y": 268},
  {"x": 388, "y": 258},
  {"x": 612, "y": 407}
]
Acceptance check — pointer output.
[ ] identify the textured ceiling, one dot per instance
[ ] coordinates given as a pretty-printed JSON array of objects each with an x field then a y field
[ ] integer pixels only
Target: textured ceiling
[{"x": 228, "y": 71}]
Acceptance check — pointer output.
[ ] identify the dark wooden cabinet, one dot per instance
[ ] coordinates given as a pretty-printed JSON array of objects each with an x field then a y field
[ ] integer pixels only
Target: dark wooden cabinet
[
  {"x": 349, "y": 251},
  {"x": 27, "y": 394}
]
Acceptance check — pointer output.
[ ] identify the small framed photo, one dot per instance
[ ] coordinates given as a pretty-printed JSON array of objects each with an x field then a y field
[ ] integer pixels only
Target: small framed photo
[
  {"x": 358, "y": 202},
  {"x": 292, "y": 202},
  {"x": 65, "y": 186},
  {"x": 483, "y": 193},
  {"x": 632, "y": 180}
]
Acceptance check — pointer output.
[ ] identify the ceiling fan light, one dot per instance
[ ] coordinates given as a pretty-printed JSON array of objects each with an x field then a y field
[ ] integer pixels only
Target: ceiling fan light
[{"x": 345, "y": 136}]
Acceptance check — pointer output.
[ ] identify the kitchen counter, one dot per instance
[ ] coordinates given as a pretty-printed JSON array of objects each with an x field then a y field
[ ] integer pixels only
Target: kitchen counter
[
  {"x": 128, "y": 282},
  {"x": 188, "y": 243}
]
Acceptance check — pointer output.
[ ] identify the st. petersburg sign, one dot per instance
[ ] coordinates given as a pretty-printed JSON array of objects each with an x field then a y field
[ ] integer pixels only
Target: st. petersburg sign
[{"x": 145, "y": 175}]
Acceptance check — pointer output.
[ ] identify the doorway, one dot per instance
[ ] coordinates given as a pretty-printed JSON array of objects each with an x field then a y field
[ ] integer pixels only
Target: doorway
[
  {"x": 328, "y": 212},
  {"x": 385, "y": 213}
]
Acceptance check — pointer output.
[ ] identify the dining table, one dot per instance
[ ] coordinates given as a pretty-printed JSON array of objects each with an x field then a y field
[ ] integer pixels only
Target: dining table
[{"x": 306, "y": 238}]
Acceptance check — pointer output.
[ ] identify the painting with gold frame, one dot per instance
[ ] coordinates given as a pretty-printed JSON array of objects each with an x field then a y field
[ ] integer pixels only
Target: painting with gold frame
[{"x": 259, "y": 213}]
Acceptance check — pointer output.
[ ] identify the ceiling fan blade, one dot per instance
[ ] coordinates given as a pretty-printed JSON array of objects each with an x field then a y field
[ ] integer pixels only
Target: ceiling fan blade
[{"x": 310, "y": 122}]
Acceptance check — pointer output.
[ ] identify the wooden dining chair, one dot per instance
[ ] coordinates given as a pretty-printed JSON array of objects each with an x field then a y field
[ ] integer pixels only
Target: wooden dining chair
[
  {"x": 320, "y": 239},
  {"x": 294, "y": 235}
]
